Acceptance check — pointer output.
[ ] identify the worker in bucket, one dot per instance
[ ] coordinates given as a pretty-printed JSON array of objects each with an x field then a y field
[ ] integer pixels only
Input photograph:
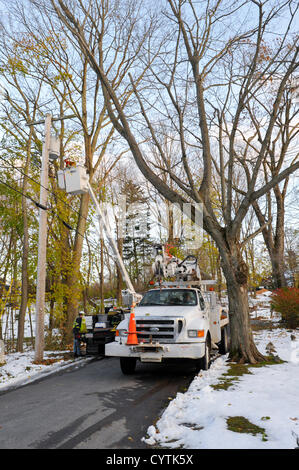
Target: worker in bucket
[{"x": 79, "y": 330}]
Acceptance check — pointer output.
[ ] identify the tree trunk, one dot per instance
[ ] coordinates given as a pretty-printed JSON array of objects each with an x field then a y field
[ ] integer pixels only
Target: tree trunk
[
  {"x": 2, "y": 288},
  {"x": 277, "y": 263},
  {"x": 51, "y": 316},
  {"x": 170, "y": 227},
  {"x": 74, "y": 291},
  {"x": 219, "y": 277},
  {"x": 275, "y": 242},
  {"x": 119, "y": 276},
  {"x": 242, "y": 348},
  {"x": 102, "y": 276},
  {"x": 24, "y": 294}
]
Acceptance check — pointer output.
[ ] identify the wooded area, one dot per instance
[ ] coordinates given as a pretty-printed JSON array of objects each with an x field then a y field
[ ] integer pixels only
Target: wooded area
[{"x": 174, "y": 102}]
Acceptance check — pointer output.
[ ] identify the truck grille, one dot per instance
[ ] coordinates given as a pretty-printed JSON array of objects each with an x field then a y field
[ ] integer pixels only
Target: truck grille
[{"x": 164, "y": 330}]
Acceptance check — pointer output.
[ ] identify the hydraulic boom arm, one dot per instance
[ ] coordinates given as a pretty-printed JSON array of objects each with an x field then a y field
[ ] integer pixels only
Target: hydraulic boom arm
[{"x": 103, "y": 221}]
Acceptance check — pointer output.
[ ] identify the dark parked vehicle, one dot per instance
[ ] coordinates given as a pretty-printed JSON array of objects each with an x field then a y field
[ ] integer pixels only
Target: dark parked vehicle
[{"x": 101, "y": 330}]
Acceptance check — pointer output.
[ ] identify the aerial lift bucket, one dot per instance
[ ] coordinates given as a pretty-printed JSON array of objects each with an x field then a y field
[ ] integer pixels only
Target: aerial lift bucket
[{"x": 132, "y": 333}]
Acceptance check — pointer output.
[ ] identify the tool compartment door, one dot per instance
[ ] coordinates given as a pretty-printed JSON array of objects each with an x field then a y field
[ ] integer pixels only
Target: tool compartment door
[{"x": 215, "y": 312}]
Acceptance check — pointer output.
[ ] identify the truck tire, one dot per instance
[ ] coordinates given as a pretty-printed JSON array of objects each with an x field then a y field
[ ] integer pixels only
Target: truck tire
[
  {"x": 204, "y": 362},
  {"x": 128, "y": 365},
  {"x": 224, "y": 345}
]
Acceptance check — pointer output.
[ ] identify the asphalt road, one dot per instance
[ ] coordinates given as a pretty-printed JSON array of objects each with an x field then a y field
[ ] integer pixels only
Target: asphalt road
[{"x": 90, "y": 407}]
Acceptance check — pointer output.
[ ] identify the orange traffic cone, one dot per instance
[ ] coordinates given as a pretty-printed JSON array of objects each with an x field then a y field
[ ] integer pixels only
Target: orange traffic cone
[{"x": 132, "y": 333}]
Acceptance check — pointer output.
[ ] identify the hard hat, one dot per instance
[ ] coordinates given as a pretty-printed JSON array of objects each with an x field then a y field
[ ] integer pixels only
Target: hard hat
[{"x": 81, "y": 313}]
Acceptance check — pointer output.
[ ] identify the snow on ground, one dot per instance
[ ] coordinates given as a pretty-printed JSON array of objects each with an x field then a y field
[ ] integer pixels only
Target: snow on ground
[
  {"x": 20, "y": 369},
  {"x": 259, "y": 307},
  {"x": 267, "y": 397}
]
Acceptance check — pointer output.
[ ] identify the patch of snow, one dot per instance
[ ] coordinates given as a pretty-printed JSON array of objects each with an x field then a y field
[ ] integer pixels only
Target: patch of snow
[
  {"x": 268, "y": 398},
  {"x": 19, "y": 368}
]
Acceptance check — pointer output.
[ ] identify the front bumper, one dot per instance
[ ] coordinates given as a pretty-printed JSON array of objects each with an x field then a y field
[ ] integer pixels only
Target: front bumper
[{"x": 156, "y": 352}]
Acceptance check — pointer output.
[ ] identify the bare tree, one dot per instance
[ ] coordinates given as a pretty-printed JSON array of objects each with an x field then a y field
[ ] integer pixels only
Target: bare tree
[
  {"x": 292, "y": 258},
  {"x": 21, "y": 105},
  {"x": 66, "y": 73},
  {"x": 202, "y": 64},
  {"x": 282, "y": 151}
]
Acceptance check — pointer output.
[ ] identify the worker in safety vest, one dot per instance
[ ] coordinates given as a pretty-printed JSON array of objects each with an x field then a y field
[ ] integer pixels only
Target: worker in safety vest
[{"x": 79, "y": 330}]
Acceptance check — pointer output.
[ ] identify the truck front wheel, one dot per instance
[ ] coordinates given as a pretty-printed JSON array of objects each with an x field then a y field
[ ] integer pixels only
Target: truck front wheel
[
  {"x": 204, "y": 362},
  {"x": 128, "y": 365}
]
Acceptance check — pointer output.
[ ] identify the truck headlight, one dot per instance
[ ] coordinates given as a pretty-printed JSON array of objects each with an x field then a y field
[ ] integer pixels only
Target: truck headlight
[{"x": 196, "y": 333}]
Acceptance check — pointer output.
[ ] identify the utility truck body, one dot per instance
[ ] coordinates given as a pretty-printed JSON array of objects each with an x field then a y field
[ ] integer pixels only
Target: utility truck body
[{"x": 172, "y": 323}]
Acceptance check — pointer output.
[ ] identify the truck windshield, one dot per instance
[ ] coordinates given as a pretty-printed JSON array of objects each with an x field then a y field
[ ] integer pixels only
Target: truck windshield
[{"x": 169, "y": 297}]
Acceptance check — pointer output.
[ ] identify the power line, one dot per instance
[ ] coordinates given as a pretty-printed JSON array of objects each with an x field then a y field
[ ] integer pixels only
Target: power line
[
  {"x": 47, "y": 208},
  {"x": 23, "y": 194},
  {"x": 49, "y": 190},
  {"x": 40, "y": 206},
  {"x": 55, "y": 195}
]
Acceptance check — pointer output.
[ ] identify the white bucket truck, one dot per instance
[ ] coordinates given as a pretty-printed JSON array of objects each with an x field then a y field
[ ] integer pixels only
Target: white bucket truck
[{"x": 174, "y": 320}]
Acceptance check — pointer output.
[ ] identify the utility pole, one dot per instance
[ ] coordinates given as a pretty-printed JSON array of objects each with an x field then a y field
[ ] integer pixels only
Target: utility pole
[
  {"x": 42, "y": 246},
  {"x": 49, "y": 150},
  {"x": 102, "y": 271}
]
